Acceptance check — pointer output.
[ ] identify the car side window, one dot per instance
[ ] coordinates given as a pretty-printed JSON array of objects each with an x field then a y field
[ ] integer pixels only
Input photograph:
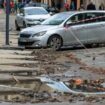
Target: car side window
[
  {"x": 94, "y": 17},
  {"x": 90, "y": 18},
  {"x": 76, "y": 19},
  {"x": 100, "y": 17}
]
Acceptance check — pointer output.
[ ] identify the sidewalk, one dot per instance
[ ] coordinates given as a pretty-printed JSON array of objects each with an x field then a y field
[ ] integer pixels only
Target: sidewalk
[
  {"x": 13, "y": 40},
  {"x": 12, "y": 54},
  {"x": 12, "y": 34}
]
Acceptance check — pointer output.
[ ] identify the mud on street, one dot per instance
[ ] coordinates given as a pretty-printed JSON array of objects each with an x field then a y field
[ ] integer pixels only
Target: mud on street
[
  {"x": 20, "y": 74},
  {"x": 34, "y": 75}
]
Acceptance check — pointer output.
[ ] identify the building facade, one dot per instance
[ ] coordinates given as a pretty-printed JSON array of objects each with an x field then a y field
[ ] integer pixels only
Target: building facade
[
  {"x": 60, "y": 3},
  {"x": 96, "y": 2},
  {"x": 57, "y": 3},
  {"x": 79, "y": 2}
]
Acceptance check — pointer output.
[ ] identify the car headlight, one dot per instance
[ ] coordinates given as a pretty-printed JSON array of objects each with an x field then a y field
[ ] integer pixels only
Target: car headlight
[{"x": 39, "y": 34}]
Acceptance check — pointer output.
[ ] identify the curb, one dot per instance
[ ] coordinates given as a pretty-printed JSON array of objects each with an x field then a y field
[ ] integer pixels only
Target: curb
[{"x": 7, "y": 47}]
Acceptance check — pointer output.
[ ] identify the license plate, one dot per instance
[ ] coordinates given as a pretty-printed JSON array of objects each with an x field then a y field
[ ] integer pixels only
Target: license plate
[{"x": 24, "y": 40}]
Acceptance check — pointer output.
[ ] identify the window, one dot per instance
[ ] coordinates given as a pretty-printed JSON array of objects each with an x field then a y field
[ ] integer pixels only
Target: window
[
  {"x": 90, "y": 17},
  {"x": 94, "y": 17},
  {"x": 86, "y": 18},
  {"x": 76, "y": 19},
  {"x": 100, "y": 17}
]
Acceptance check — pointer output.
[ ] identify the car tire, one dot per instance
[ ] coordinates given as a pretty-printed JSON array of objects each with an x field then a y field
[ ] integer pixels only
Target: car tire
[
  {"x": 55, "y": 42},
  {"x": 17, "y": 27}
]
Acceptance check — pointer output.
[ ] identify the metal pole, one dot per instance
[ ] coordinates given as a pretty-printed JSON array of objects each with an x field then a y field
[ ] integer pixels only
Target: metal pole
[{"x": 7, "y": 21}]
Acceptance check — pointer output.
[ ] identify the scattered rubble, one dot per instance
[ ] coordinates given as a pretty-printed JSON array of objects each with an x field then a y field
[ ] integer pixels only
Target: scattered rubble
[
  {"x": 83, "y": 65},
  {"x": 53, "y": 84}
]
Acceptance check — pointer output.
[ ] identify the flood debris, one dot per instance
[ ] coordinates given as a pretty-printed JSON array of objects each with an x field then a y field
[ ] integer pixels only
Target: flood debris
[
  {"x": 62, "y": 92},
  {"x": 4, "y": 89},
  {"x": 87, "y": 85},
  {"x": 12, "y": 79},
  {"x": 49, "y": 81},
  {"x": 99, "y": 70},
  {"x": 76, "y": 86},
  {"x": 58, "y": 91},
  {"x": 14, "y": 72},
  {"x": 85, "y": 66}
]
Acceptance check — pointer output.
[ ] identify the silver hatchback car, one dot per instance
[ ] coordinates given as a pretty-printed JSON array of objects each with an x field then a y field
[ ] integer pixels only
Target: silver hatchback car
[
  {"x": 30, "y": 16},
  {"x": 66, "y": 29}
]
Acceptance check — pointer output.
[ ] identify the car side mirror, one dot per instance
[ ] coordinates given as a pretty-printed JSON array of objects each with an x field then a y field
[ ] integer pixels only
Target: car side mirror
[{"x": 68, "y": 24}]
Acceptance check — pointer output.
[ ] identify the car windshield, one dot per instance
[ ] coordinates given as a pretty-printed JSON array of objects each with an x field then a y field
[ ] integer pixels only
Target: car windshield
[
  {"x": 35, "y": 11},
  {"x": 56, "y": 19}
]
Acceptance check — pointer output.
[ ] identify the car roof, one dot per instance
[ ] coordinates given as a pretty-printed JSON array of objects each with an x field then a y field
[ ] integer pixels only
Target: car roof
[
  {"x": 33, "y": 8},
  {"x": 76, "y": 12},
  {"x": 40, "y": 3}
]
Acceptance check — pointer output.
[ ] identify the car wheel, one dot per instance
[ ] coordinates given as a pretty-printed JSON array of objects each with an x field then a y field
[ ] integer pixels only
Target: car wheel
[
  {"x": 17, "y": 27},
  {"x": 55, "y": 42}
]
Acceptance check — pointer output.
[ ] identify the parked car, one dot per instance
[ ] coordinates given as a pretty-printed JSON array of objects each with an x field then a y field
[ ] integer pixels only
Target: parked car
[
  {"x": 45, "y": 6},
  {"x": 30, "y": 16},
  {"x": 66, "y": 29}
]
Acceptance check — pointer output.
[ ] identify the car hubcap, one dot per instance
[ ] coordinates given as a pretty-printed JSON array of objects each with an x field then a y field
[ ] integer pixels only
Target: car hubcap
[{"x": 55, "y": 43}]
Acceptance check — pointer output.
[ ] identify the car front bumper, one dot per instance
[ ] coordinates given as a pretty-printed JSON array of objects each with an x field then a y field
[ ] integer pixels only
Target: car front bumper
[
  {"x": 30, "y": 43},
  {"x": 29, "y": 24}
]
